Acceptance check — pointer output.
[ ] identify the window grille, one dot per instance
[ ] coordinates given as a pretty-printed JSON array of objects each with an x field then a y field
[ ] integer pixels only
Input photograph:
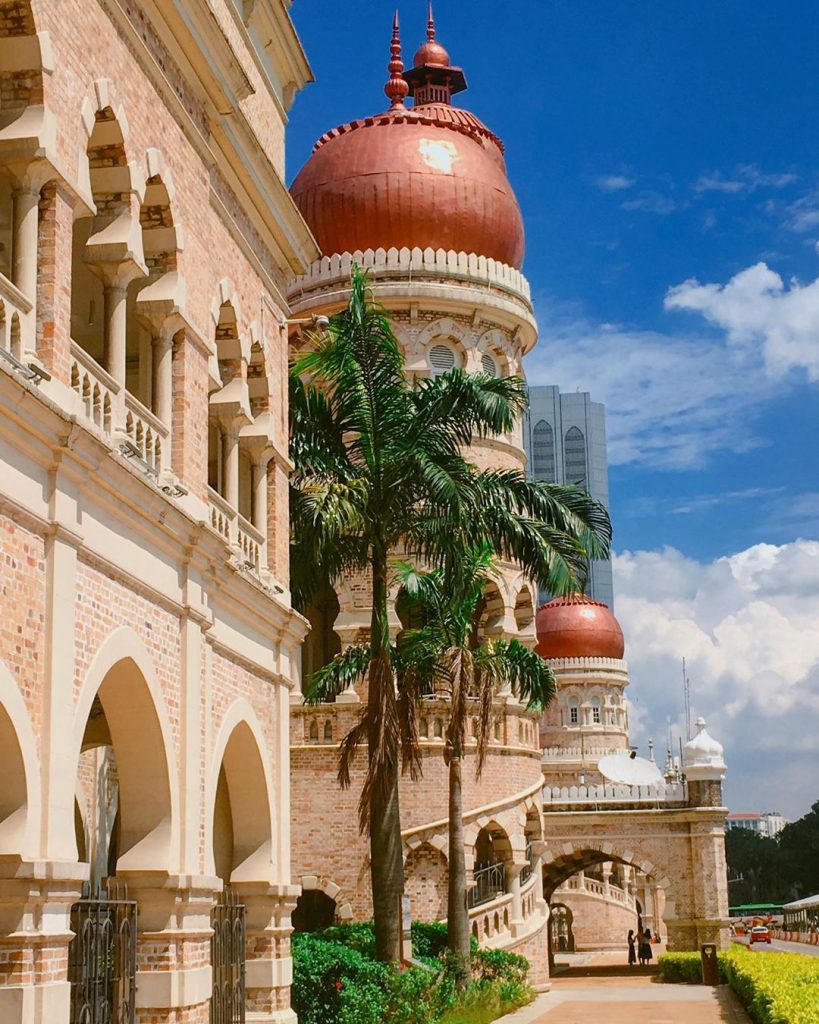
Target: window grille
[
  {"x": 489, "y": 365},
  {"x": 574, "y": 714}
]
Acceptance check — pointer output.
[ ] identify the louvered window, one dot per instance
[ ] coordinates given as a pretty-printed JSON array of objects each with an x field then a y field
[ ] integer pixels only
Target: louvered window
[
  {"x": 441, "y": 359},
  {"x": 489, "y": 365}
]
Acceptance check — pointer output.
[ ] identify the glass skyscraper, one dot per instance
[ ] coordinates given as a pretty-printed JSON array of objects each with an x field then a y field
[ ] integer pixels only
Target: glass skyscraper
[{"x": 565, "y": 440}]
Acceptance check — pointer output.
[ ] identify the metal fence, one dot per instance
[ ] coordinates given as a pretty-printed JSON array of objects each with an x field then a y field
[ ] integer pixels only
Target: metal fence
[
  {"x": 102, "y": 958},
  {"x": 526, "y": 870},
  {"x": 490, "y": 881},
  {"x": 227, "y": 954}
]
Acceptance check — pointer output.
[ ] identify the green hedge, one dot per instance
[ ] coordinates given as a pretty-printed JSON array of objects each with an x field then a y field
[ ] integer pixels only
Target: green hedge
[
  {"x": 337, "y": 981},
  {"x": 775, "y": 988}
]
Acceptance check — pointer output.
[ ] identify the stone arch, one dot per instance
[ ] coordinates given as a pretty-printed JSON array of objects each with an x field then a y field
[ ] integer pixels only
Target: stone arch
[
  {"x": 494, "y": 342},
  {"x": 426, "y": 880},
  {"x": 524, "y": 602},
  {"x": 318, "y": 883},
  {"x": 19, "y": 772},
  {"x": 449, "y": 333},
  {"x": 25, "y": 56},
  {"x": 491, "y": 611},
  {"x": 161, "y": 236},
  {"x": 121, "y": 676},
  {"x": 239, "y": 781}
]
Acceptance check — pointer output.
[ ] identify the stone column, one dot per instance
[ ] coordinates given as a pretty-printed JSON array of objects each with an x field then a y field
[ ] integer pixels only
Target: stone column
[
  {"x": 174, "y": 975},
  {"x": 25, "y": 220},
  {"x": 259, "y": 468},
  {"x": 231, "y": 462},
  {"x": 163, "y": 378},
  {"x": 512, "y": 870},
  {"x": 115, "y": 330},
  {"x": 269, "y": 967},
  {"x": 607, "y": 869},
  {"x": 35, "y": 933}
]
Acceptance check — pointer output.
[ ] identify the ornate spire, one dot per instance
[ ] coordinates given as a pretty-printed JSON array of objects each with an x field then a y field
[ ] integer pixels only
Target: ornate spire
[
  {"x": 433, "y": 79},
  {"x": 396, "y": 89},
  {"x": 430, "y": 23}
]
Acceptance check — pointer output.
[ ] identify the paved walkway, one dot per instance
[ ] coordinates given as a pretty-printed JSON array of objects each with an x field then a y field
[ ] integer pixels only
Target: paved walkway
[{"x": 598, "y": 989}]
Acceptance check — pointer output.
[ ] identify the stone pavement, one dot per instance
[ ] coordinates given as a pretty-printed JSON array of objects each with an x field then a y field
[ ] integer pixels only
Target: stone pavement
[{"x": 601, "y": 990}]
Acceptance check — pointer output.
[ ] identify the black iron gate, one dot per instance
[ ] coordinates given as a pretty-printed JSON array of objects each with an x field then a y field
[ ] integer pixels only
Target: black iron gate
[
  {"x": 102, "y": 958},
  {"x": 227, "y": 956}
]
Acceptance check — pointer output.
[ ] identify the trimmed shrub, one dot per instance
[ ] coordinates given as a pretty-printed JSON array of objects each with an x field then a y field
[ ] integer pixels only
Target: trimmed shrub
[
  {"x": 685, "y": 968},
  {"x": 781, "y": 988}
]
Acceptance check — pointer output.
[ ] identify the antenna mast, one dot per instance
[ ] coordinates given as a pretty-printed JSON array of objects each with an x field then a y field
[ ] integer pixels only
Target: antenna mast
[{"x": 687, "y": 700}]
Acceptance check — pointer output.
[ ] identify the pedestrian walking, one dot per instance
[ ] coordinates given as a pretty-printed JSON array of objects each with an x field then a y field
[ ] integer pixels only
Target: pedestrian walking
[{"x": 632, "y": 951}]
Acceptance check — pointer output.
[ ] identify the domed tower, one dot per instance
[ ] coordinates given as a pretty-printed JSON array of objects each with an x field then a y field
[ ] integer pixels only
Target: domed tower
[
  {"x": 583, "y": 642},
  {"x": 419, "y": 196}
]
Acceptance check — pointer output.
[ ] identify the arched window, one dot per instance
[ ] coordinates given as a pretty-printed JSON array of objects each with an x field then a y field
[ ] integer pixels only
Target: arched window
[
  {"x": 441, "y": 359},
  {"x": 575, "y": 452},
  {"x": 328, "y": 730},
  {"x": 574, "y": 712},
  {"x": 595, "y": 709},
  {"x": 488, "y": 365},
  {"x": 543, "y": 452}
]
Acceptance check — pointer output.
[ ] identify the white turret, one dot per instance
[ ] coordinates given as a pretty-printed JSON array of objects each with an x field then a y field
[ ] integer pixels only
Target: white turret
[{"x": 703, "y": 759}]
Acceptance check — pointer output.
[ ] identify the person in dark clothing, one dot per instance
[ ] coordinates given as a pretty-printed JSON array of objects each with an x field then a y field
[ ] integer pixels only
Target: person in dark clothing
[
  {"x": 632, "y": 951},
  {"x": 645, "y": 947}
]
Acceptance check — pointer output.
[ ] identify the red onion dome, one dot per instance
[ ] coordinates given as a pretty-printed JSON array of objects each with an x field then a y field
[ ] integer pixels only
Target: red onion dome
[
  {"x": 577, "y": 626},
  {"x": 432, "y": 176}
]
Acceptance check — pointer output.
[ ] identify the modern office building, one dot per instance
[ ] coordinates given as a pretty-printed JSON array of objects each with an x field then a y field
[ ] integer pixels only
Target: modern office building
[
  {"x": 565, "y": 441},
  {"x": 768, "y": 824}
]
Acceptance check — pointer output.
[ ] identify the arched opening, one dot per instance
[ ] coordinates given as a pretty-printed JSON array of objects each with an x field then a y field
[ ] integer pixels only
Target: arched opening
[
  {"x": 242, "y": 828},
  {"x": 13, "y": 789},
  {"x": 322, "y": 643},
  {"x": 543, "y": 452},
  {"x": 21, "y": 85},
  {"x": 561, "y": 935},
  {"x": 595, "y": 886},
  {"x": 490, "y": 613},
  {"x": 315, "y": 910},
  {"x": 493, "y": 852},
  {"x": 574, "y": 448},
  {"x": 123, "y": 776},
  {"x": 525, "y": 614},
  {"x": 425, "y": 882}
]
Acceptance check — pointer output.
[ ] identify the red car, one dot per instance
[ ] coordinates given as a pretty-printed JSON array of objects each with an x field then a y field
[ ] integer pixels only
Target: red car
[{"x": 759, "y": 933}]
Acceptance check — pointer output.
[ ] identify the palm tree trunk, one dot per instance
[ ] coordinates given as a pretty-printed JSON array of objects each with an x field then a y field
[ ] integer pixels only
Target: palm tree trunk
[
  {"x": 457, "y": 915},
  {"x": 386, "y": 853}
]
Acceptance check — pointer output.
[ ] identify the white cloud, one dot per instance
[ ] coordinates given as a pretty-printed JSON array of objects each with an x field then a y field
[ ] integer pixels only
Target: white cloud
[
  {"x": 671, "y": 401},
  {"x": 748, "y": 627},
  {"x": 614, "y": 182},
  {"x": 650, "y": 202},
  {"x": 746, "y": 178},
  {"x": 756, "y": 310}
]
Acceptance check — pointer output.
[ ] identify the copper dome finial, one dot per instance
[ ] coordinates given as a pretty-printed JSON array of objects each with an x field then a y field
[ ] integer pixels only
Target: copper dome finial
[
  {"x": 430, "y": 23},
  {"x": 396, "y": 89}
]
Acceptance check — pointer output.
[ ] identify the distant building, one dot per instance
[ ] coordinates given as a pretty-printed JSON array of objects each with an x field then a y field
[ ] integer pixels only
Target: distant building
[
  {"x": 768, "y": 824},
  {"x": 565, "y": 441}
]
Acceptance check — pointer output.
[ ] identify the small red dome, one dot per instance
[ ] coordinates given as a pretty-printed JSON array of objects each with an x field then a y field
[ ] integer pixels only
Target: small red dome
[
  {"x": 577, "y": 626},
  {"x": 431, "y": 53}
]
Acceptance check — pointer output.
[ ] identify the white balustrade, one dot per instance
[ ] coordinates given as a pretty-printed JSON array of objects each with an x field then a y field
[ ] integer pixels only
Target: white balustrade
[
  {"x": 97, "y": 389},
  {"x": 555, "y": 796},
  {"x": 251, "y": 542},
  {"x": 147, "y": 433},
  {"x": 222, "y": 516}
]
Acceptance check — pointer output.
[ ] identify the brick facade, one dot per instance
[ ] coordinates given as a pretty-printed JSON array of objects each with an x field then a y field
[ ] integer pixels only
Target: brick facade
[{"x": 147, "y": 644}]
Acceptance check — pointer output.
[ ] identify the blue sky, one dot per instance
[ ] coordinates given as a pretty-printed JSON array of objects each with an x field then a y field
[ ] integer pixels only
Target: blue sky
[{"x": 666, "y": 160}]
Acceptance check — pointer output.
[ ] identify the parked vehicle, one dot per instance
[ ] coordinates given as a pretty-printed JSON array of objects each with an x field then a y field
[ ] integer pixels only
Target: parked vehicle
[{"x": 760, "y": 933}]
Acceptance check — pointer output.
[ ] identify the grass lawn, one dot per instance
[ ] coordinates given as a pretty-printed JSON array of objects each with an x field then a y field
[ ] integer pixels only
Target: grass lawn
[{"x": 483, "y": 1011}]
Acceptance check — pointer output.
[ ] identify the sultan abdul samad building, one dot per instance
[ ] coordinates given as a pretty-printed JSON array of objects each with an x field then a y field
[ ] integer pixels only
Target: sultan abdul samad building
[{"x": 150, "y": 660}]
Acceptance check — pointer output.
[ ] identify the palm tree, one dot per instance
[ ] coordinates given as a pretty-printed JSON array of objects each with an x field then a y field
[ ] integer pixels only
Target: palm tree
[
  {"x": 380, "y": 466},
  {"x": 449, "y": 652}
]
